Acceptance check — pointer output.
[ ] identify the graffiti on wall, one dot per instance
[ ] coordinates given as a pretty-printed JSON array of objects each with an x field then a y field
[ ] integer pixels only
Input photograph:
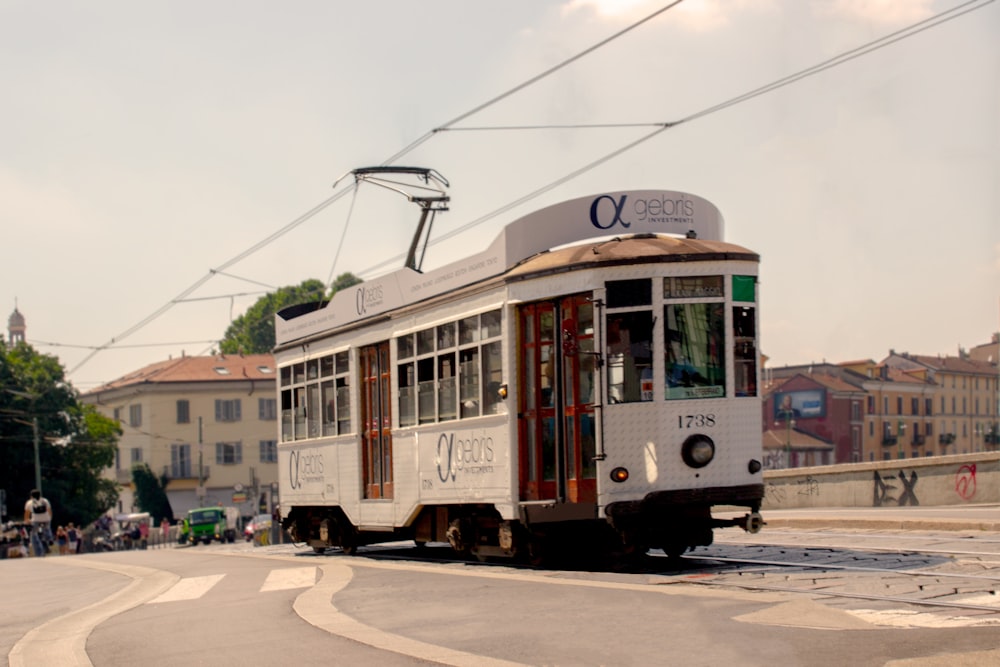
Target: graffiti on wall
[
  {"x": 808, "y": 486},
  {"x": 965, "y": 481},
  {"x": 885, "y": 490}
]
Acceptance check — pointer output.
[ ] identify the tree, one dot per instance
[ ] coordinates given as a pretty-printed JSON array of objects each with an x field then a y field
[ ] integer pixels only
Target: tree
[
  {"x": 253, "y": 331},
  {"x": 151, "y": 494},
  {"x": 75, "y": 442}
]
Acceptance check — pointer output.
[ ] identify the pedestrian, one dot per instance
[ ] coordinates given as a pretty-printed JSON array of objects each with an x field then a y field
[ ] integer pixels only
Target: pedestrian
[
  {"x": 38, "y": 513},
  {"x": 165, "y": 528},
  {"x": 73, "y": 537},
  {"x": 143, "y": 533},
  {"x": 62, "y": 540}
]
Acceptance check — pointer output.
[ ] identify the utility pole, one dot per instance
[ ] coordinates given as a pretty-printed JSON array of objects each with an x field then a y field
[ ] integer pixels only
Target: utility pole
[
  {"x": 201, "y": 467},
  {"x": 38, "y": 460}
]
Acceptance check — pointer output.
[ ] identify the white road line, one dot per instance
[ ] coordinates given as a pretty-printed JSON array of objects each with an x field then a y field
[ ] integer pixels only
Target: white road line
[
  {"x": 294, "y": 577},
  {"x": 190, "y": 588}
]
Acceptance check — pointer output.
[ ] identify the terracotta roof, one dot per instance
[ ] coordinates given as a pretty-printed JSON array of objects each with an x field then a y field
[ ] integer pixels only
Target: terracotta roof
[
  {"x": 218, "y": 368},
  {"x": 777, "y": 439},
  {"x": 953, "y": 364}
]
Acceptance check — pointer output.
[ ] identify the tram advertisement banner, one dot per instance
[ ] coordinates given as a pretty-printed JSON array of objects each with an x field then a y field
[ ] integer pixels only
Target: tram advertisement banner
[{"x": 463, "y": 460}]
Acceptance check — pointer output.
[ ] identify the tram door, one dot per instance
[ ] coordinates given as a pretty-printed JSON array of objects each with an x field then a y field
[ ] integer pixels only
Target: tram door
[
  {"x": 376, "y": 422},
  {"x": 557, "y": 437}
]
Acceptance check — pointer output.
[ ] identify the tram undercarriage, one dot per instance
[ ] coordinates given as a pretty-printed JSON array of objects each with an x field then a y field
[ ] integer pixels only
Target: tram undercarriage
[{"x": 631, "y": 529}]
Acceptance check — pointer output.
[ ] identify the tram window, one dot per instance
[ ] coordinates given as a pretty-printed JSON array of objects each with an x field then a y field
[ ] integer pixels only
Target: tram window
[
  {"x": 492, "y": 378},
  {"x": 299, "y": 411},
  {"x": 491, "y": 324},
  {"x": 694, "y": 350},
  {"x": 329, "y": 407},
  {"x": 326, "y": 366},
  {"x": 744, "y": 351},
  {"x": 286, "y": 376},
  {"x": 469, "y": 388},
  {"x": 344, "y": 404},
  {"x": 629, "y": 355},
  {"x": 629, "y": 293},
  {"x": 468, "y": 330},
  {"x": 341, "y": 362},
  {"x": 425, "y": 391},
  {"x": 404, "y": 346},
  {"x": 407, "y": 395},
  {"x": 425, "y": 341},
  {"x": 286, "y": 415},
  {"x": 446, "y": 336},
  {"x": 299, "y": 373},
  {"x": 446, "y": 387}
]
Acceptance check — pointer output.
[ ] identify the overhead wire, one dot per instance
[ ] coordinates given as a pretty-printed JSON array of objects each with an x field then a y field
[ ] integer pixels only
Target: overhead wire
[{"x": 947, "y": 15}]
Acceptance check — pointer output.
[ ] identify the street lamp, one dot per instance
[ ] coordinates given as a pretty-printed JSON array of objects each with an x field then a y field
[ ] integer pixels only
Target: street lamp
[
  {"x": 34, "y": 431},
  {"x": 788, "y": 416}
]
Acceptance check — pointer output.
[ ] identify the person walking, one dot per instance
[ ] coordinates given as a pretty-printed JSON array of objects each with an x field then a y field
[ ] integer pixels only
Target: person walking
[
  {"x": 38, "y": 512},
  {"x": 73, "y": 535}
]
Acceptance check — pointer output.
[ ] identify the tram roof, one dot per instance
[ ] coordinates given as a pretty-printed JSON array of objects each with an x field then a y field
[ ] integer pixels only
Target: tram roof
[{"x": 561, "y": 237}]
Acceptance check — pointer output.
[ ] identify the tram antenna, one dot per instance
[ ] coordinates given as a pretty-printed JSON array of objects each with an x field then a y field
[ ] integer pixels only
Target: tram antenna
[{"x": 430, "y": 204}]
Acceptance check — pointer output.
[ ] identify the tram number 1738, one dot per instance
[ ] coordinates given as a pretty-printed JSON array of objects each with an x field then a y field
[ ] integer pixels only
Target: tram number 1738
[{"x": 696, "y": 421}]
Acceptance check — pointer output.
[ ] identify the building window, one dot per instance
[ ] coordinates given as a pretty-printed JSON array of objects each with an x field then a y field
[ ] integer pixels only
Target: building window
[
  {"x": 180, "y": 461},
  {"x": 135, "y": 415},
  {"x": 267, "y": 409},
  {"x": 899, "y": 405},
  {"x": 871, "y": 405},
  {"x": 228, "y": 453},
  {"x": 227, "y": 410},
  {"x": 183, "y": 411},
  {"x": 136, "y": 455},
  {"x": 928, "y": 406},
  {"x": 268, "y": 451},
  {"x": 914, "y": 406}
]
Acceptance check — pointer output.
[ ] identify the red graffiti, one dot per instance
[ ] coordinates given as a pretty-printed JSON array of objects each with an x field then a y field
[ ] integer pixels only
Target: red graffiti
[{"x": 965, "y": 482}]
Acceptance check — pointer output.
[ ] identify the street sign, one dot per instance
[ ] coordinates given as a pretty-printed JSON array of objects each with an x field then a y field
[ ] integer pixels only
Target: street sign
[{"x": 239, "y": 498}]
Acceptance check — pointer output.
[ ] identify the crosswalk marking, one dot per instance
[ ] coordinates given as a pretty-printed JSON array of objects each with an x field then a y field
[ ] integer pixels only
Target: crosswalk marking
[
  {"x": 294, "y": 577},
  {"x": 190, "y": 588}
]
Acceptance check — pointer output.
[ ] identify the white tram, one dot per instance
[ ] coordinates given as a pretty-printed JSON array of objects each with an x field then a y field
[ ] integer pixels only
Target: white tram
[{"x": 590, "y": 379}]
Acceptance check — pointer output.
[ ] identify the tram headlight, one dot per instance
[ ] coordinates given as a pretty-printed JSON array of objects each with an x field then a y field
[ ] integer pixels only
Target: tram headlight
[
  {"x": 619, "y": 474},
  {"x": 698, "y": 450}
]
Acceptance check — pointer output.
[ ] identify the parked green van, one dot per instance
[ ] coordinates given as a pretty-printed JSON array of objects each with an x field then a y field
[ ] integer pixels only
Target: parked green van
[{"x": 211, "y": 523}]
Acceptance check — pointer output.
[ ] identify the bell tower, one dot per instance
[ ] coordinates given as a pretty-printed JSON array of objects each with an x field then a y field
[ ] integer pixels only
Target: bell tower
[{"x": 15, "y": 327}]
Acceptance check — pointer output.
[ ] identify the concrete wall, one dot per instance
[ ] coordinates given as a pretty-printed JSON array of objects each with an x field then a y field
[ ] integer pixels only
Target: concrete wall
[{"x": 936, "y": 480}]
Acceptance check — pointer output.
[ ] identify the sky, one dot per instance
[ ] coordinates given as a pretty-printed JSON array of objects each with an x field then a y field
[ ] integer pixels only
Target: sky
[{"x": 156, "y": 157}]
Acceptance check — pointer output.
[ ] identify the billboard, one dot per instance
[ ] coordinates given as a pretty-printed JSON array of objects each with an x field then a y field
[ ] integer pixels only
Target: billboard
[{"x": 803, "y": 404}]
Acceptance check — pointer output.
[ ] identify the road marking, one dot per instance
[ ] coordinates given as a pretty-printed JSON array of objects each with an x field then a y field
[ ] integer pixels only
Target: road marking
[
  {"x": 294, "y": 577},
  {"x": 190, "y": 588}
]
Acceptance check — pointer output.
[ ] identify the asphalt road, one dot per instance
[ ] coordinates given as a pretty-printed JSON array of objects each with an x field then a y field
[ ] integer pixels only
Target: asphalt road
[{"x": 237, "y": 605}]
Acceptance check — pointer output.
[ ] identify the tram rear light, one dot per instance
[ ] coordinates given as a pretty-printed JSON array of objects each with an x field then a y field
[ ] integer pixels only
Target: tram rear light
[
  {"x": 502, "y": 392},
  {"x": 619, "y": 474},
  {"x": 754, "y": 466}
]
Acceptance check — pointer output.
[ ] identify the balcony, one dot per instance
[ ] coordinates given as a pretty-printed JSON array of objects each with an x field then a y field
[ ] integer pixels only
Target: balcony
[
  {"x": 184, "y": 472},
  {"x": 946, "y": 438},
  {"x": 918, "y": 440},
  {"x": 992, "y": 439},
  {"x": 889, "y": 440}
]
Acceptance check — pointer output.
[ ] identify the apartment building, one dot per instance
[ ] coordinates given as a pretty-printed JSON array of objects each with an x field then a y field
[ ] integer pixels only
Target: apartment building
[
  {"x": 965, "y": 403},
  {"x": 209, "y": 423}
]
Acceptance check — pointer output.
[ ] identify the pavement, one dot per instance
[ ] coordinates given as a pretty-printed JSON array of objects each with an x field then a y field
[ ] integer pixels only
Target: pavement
[{"x": 974, "y": 518}]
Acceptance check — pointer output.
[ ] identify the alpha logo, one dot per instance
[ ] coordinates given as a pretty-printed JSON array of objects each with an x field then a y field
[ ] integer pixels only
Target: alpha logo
[
  {"x": 303, "y": 467},
  {"x": 606, "y": 211},
  {"x": 367, "y": 297},
  {"x": 472, "y": 455}
]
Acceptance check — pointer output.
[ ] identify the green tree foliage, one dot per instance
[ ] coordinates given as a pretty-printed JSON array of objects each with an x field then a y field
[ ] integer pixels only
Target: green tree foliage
[
  {"x": 253, "y": 331},
  {"x": 76, "y": 443},
  {"x": 151, "y": 494}
]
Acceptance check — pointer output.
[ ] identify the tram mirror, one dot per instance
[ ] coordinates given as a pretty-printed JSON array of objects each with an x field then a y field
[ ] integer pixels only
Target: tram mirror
[{"x": 569, "y": 345}]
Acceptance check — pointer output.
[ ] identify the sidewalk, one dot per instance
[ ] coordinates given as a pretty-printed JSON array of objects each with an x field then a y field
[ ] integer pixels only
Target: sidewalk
[{"x": 977, "y": 518}]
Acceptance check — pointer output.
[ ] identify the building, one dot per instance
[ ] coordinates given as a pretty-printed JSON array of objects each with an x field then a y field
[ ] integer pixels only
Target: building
[
  {"x": 898, "y": 421},
  {"x": 965, "y": 407},
  {"x": 208, "y": 423},
  {"x": 817, "y": 411}
]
